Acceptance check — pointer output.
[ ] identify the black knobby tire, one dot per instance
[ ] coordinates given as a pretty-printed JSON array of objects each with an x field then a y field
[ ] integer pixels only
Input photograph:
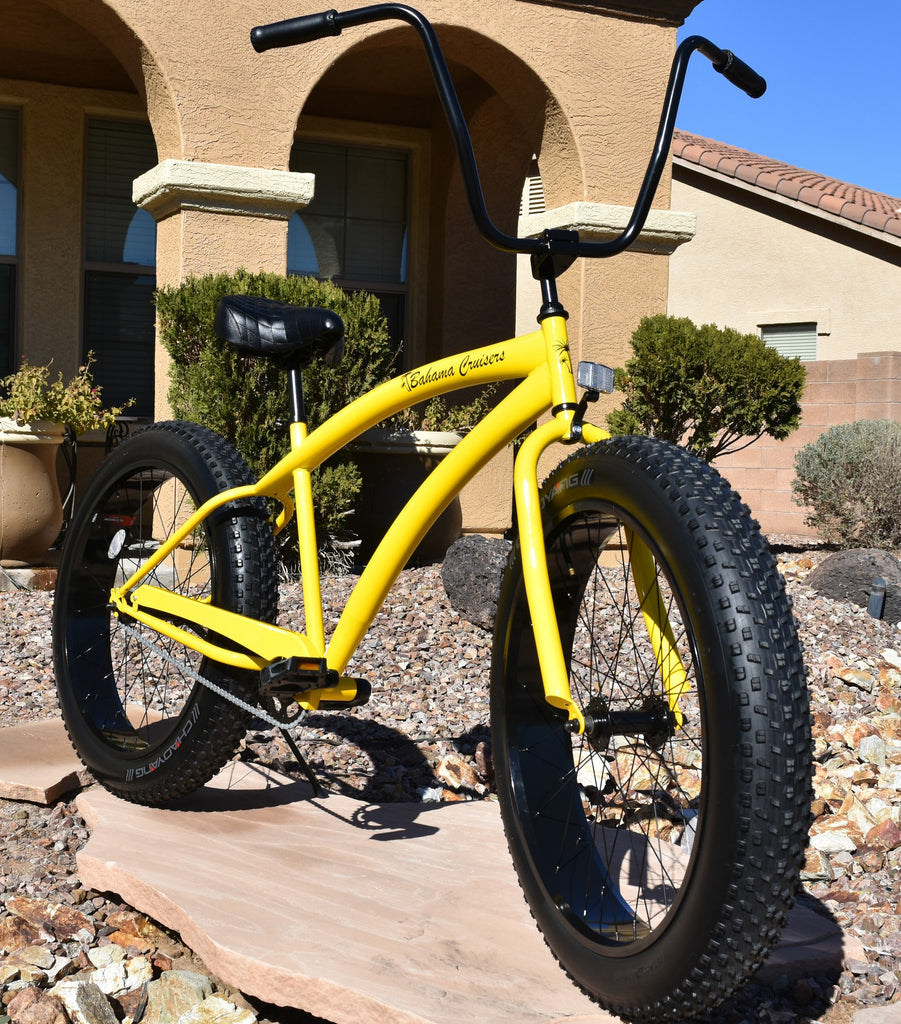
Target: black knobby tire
[
  {"x": 139, "y": 719},
  {"x": 659, "y": 858}
]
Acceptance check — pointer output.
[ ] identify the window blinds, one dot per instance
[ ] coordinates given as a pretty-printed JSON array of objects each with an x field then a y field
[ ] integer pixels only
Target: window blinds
[
  {"x": 119, "y": 239},
  {"x": 792, "y": 340}
]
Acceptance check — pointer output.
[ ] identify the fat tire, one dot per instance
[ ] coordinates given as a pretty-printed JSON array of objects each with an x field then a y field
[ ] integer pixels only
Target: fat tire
[
  {"x": 178, "y": 733},
  {"x": 743, "y": 833}
]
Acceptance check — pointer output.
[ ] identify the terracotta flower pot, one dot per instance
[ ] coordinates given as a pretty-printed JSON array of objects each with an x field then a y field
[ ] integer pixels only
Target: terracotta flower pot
[{"x": 31, "y": 511}]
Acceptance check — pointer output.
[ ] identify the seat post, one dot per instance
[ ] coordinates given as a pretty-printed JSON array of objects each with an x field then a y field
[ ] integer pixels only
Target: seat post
[
  {"x": 307, "y": 545},
  {"x": 295, "y": 394}
]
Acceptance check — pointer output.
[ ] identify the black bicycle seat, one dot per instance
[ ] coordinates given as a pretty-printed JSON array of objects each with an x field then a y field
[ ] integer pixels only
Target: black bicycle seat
[{"x": 264, "y": 327}]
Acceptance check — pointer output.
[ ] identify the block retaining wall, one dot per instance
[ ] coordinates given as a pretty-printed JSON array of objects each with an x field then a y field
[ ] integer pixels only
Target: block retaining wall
[{"x": 838, "y": 391}]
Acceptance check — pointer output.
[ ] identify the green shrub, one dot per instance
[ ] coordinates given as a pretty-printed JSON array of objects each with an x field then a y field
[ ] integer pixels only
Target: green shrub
[
  {"x": 711, "y": 390},
  {"x": 851, "y": 478},
  {"x": 246, "y": 400}
]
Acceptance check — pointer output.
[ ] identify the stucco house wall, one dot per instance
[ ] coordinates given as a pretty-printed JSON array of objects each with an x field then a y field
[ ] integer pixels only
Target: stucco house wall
[
  {"x": 758, "y": 259},
  {"x": 776, "y": 244},
  {"x": 577, "y": 85}
]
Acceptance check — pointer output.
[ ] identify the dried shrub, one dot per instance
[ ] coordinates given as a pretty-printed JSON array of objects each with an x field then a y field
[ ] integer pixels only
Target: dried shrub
[{"x": 851, "y": 478}]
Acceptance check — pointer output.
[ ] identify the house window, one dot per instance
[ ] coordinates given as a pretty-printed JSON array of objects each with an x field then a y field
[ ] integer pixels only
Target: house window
[
  {"x": 9, "y": 220},
  {"x": 120, "y": 263},
  {"x": 354, "y": 232},
  {"x": 792, "y": 340}
]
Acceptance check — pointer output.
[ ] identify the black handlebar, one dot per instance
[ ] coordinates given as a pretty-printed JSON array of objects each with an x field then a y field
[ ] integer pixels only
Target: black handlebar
[
  {"x": 310, "y": 27},
  {"x": 295, "y": 30},
  {"x": 730, "y": 67}
]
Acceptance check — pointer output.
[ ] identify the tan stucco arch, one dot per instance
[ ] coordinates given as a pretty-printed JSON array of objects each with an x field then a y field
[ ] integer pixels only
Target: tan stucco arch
[
  {"x": 383, "y": 79},
  {"x": 86, "y": 45},
  {"x": 387, "y": 70},
  {"x": 116, "y": 26}
]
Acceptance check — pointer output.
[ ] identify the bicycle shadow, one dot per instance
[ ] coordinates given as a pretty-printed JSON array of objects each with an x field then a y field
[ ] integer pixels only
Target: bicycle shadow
[
  {"x": 389, "y": 804},
  {"x": 378, "y": 763},
  {"x": 244, "y": 787}
]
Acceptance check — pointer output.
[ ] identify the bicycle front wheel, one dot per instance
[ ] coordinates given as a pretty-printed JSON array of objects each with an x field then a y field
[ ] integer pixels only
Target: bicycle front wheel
[
  {"x": 659, "y": 851},
  {"x": 132, "y": 700}
]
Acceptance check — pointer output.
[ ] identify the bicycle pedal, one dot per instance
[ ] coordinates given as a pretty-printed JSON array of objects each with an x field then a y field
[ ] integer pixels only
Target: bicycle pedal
[
  {"x": 296, "y": 675},
  {"x": 364, "y": 692}
]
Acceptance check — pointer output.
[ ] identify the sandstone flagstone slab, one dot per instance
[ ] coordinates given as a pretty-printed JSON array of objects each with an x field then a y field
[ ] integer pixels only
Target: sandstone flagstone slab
[
  {"x": 389, "y": 914},
  {"x": 397, "y": 913},
  {"x": 37, "y": 763},
  {"x": 357, "y": 913}
]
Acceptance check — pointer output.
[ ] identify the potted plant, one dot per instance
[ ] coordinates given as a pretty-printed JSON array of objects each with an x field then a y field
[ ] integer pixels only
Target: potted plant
[
  {"x": 395, "y": 458},
  {"x": 35, "y": 412}
]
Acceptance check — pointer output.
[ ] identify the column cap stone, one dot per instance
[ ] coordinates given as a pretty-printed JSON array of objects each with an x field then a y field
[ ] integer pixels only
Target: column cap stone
[
  {"x": 663, "y": 232},
  {"x": 175, "y": 185}
]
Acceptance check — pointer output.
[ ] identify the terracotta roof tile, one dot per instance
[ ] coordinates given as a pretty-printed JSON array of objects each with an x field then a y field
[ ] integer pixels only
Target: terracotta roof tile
[
  {"x": 852, "y": 211},
  {"x": 710, "y": 160},
  {"x": 857, "y": 205},
  {"x": 745, "y": 172},
  {"x": 832, "y": 204},
  {"x": 789, "y": 189},
  {"x": 768, "y": 180},
  {"x": 874, "y": 220}
]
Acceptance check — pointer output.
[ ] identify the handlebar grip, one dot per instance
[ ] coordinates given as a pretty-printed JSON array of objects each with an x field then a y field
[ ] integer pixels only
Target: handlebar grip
[
  {"x": 741, "y": 74},
  {"x": 304, "y": 29}
]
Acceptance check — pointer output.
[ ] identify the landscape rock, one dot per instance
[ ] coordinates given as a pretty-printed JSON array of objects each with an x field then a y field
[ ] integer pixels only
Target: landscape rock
[
  {"x": 36, "y": 956},
  {"x": 31, "y": 1006},
  {"x": 884, "y": 836},
  {"x": 16, "y": 934},
  {"x": 849, "y": 576},
  {"x": 458, "y": 774},
  {"x": 817, "y": 866},
  {"x": 54, "y": 920},
  {"x": 216, "y": 1010},
  {"x": 425, "y": 733},
  {"x": 472, "y": 572},
  {"x": 85, "y": 1003},
  {"x": 173, "y": 994}
]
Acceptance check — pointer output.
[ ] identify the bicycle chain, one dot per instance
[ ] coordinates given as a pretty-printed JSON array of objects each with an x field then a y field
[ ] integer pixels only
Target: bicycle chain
[{"x": 252, "y": 709}]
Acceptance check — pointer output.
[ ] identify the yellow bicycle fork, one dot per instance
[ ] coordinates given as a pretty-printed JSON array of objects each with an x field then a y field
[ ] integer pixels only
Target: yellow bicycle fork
[{"x": 543, "y": 359}]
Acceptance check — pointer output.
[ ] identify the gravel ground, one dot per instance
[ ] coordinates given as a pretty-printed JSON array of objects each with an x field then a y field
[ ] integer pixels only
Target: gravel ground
[{"x": 424, "y": 736}]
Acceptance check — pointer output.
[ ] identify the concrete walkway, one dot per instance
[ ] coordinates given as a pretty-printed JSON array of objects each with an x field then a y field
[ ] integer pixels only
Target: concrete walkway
[{"x": 359, "y": 914}]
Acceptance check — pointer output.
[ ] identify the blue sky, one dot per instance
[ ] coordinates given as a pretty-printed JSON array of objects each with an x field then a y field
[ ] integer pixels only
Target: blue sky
[{"x": 834, "y": 82}]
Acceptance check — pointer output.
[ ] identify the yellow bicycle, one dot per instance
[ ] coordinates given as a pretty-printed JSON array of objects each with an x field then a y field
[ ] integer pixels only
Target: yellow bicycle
[{"x": 650, "y": 727}]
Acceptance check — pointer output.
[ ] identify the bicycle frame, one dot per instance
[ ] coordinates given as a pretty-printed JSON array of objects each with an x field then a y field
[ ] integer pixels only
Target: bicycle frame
[{"x": 540, "y": 359}]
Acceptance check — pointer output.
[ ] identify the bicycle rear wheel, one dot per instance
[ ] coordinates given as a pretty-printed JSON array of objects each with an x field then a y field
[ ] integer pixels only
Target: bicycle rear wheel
[
  {"x": 660, "y": 851},
  {"x": 131, "y": 699}
]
